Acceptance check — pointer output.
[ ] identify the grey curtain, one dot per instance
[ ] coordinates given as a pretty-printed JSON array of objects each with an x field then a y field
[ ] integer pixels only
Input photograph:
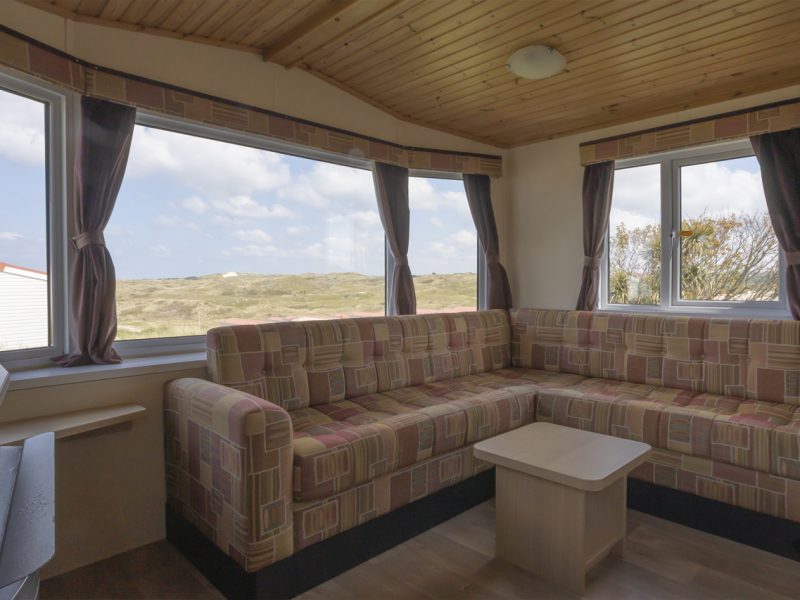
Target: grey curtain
[
  {"x": 598, "y": 184},
  {"x": 479, "y": 196},
  {"x": 391, "y": 188},
  {"x": 104, "y": 142},
  {"x": 779, "y": 156}
]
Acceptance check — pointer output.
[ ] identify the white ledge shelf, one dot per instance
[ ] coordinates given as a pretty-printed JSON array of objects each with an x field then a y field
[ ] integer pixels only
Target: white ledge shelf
[{"x": 66, "y": 425}]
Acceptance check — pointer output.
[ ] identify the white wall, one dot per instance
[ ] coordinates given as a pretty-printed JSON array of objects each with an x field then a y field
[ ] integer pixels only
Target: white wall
[
  {"x": 23, "y": 309},
  {"x": 544, "y": 217}
]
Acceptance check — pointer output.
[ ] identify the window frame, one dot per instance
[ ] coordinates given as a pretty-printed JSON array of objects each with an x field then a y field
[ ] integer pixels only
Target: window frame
[
  {"x": 59, "y": 128},
  {"x": 670, "y": 174}
]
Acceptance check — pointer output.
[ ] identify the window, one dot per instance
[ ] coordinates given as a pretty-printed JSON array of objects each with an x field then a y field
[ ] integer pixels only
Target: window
[
  {"x": 691, "y": 231},
  {"x": 31, "y": 166},
  {"x": 207, "y": 232},
  {"x": 443, "y": 246}
]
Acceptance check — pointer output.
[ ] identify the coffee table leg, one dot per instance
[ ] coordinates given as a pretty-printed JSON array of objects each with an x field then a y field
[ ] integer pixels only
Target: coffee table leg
[{"x": 541, "y": 528}]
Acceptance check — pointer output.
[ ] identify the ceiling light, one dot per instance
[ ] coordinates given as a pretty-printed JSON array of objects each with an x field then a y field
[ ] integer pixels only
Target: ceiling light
[{"x": 536, "y": 62}]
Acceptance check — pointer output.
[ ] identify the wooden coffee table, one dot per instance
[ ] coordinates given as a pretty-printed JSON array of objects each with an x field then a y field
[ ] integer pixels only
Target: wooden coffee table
[{"x": 560, "y": 498}]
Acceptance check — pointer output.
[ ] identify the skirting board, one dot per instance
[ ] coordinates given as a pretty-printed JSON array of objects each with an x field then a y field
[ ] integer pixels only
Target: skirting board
[
  {"x": 773, "y": 534},
  {"x": 318, "y": 563}
]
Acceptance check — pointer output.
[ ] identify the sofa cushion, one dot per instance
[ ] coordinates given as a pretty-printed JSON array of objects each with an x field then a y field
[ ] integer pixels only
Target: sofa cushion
[
  {"x": 773, "y": 370},
  {"x": 341, "y": 444},
  {"x": 687, "y": 428},
  {"x": 664, "y": 351},
  {"x": 266, "y": 360},
  {"x": 786, "y": 448},
  {"x": 744, "y": 438},
  {"x": 333, "y": 455},
  {"x": 629, "y": 410},
  {"x": 577, "y": 342}
]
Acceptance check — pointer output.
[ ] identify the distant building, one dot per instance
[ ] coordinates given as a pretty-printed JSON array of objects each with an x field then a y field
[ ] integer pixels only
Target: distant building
[
  {"x": 230, "y": 274},
  {"x": 23, "y": 308}
]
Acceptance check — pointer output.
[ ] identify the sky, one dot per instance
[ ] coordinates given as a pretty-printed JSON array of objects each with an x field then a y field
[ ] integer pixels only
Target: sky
[
  {"x": 191, "y": 206},
  {"x": 718, "y": 188}
]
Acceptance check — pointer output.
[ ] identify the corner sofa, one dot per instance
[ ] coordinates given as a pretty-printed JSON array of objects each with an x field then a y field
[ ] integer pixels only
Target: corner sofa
[{"x": 308, "y": 429}]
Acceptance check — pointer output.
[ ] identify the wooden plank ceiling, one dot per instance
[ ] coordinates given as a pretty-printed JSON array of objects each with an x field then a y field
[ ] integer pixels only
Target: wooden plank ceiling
[{"x": 441, "y": 63}]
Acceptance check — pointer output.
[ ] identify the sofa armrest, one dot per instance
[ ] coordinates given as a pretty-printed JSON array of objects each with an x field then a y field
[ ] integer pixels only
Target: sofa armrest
[{"x": 229, "y": 469}]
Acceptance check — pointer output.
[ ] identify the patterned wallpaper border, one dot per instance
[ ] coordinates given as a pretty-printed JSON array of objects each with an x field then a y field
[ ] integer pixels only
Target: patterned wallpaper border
[
  {"x": 34, "y": 58},
  {"x": 778, "y": 116}
]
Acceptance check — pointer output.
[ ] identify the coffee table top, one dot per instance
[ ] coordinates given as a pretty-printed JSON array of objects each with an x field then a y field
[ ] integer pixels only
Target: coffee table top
[{"x": 572, "y": 457}]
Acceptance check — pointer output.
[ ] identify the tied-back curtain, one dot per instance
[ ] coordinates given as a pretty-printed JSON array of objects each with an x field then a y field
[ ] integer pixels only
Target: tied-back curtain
[
  {"x": 479, "y": 197},
  {"x": 779, "y": 156},
  {"x": 598, "y": 184},
  {"x": 391, "y": 188},
  {"x": 104, "y": 142}
]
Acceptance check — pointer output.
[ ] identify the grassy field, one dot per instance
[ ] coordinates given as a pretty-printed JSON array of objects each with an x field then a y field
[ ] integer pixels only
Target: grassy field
[{"x": 173, "y": 307}]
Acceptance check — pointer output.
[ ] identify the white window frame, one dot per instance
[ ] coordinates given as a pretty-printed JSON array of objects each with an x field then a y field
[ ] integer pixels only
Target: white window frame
[
  {"x": 60, "y": 112},
  {"x": 670, "y": 165}
]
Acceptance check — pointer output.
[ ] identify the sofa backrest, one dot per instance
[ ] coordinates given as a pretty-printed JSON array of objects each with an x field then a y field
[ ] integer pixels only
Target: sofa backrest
[
  {"x": 298, "y": 364},
  {"x": 754, "y": 359}
]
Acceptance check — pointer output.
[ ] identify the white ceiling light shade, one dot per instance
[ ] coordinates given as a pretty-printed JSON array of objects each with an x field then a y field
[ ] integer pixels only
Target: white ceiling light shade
[{"x": 536, "y": 62}]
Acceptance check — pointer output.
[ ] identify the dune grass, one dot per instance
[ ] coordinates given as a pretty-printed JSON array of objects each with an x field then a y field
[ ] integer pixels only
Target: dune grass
[{"x": 150, "y": 308}]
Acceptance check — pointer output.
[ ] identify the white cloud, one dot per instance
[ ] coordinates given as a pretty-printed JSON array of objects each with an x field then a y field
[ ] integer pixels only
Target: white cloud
[
  {"x": 359, "y": 218},
  {"x": 217, "y": 169},
  {"x": 244, "y": 207},
  {"x": 195, "y": 204},
  {"x": 328, "y": 184},
  {"x": 9, "y": 236},
  {"x": 715, "y": 188},
  {"x": 160, "y": 250},
  {"x": 252, "y": 250},
  {"x": 456, "y": 245},
  {"x": 174, "y": 222},
  {"x": 22, "y": 133},
  {"x": 422, "y": 195},
  {"x": 252, "y": 235},
  {"x": 437, "y": 222},
  {"x": 718, "y": 189},
  {"x": 298, "y": 230}
]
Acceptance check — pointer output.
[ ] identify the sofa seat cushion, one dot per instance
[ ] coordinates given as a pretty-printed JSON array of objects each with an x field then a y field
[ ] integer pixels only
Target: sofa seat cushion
[
  {"x": 745, "y": 438},
  {"x": 628, "y": 410},
  {"x": 786, "y": 448},
  {"x": 345, "y": 444},
  {"x": 687, "y": 428}
]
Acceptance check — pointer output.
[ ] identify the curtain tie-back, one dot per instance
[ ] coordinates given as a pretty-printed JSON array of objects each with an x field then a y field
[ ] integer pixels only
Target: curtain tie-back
[
  {"x": 492, "y": 257},
  {"x": 592, "y": 262},
  {"x": 792, "y": 259},
  {"x": 401, "y": 261},
  {"x": 88, "y": 238}
]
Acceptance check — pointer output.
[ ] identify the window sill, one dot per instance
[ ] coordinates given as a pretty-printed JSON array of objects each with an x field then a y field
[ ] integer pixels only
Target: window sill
[
  {"x": 710, "y": 312},
  {"x": 51, "y": 376}
]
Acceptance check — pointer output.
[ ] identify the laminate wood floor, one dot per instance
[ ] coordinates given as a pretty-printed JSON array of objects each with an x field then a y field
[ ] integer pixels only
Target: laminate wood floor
[{"x": 456, "y": 560}]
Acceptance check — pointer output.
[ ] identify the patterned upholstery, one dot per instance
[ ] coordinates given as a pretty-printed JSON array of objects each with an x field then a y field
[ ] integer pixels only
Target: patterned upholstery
[
  {"x": 746, "y": 488},
  {"x": 229, "y": 457},
  {"x": 319, "y": 520},
  {"x": 319, "y": 426}
]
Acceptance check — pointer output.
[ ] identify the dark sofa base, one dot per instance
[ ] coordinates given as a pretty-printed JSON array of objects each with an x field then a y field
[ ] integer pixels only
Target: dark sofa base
[
  {"x": 773, "y": 534},
  {"x": 318, "y": 563}
]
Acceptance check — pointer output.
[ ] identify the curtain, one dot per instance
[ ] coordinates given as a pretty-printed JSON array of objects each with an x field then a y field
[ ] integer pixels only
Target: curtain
[
  {"x": 598, "y": 183},
  {"x": 391, "y": 188},
  {"x": 478, "y": 188},
  {"x": 779, "y": 157},
  {"x": 104, "y": 141}
]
